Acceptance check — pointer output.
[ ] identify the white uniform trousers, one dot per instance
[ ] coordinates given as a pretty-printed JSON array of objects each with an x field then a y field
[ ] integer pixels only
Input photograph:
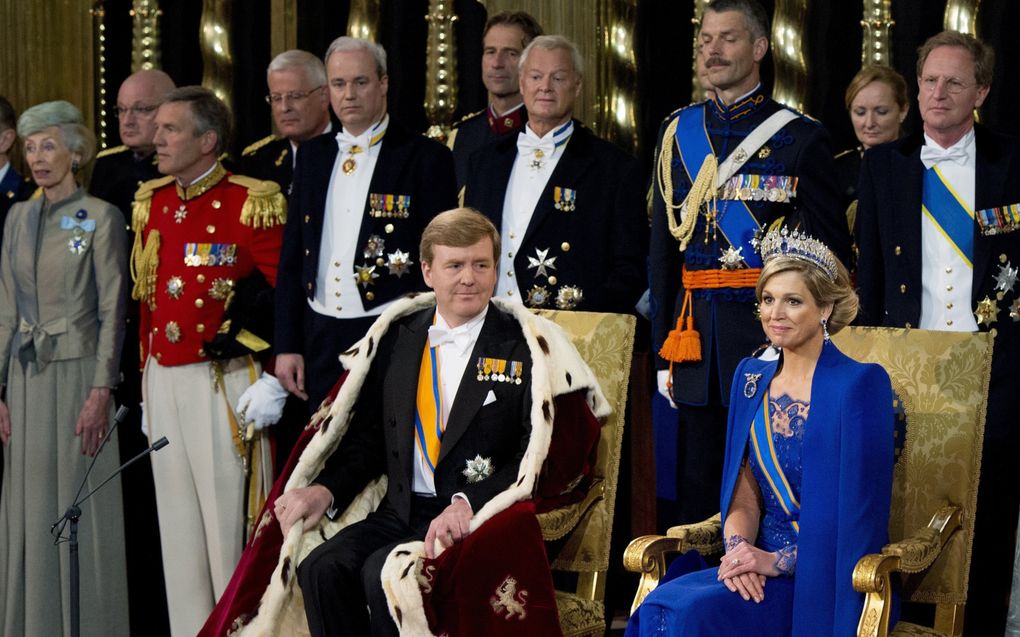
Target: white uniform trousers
[{"x": 199, "y": 479}]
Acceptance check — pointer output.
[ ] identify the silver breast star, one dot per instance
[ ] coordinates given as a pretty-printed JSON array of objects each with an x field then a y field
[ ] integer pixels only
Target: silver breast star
[
  {"x": 731, "y": 259},
  {"x": 398, "y": 263},
  {"x": 542, "y": 262},
  {"x": 1006, "y": 278}
]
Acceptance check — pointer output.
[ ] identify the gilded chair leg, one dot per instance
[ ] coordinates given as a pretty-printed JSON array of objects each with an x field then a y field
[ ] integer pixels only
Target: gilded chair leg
[{"x": 949, "y": 619}]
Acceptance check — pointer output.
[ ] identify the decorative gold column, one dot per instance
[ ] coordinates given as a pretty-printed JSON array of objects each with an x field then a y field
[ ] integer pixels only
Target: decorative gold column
[
  {"x": 697, "y": 93},
  {"x": 788, "y": 53},
  {"x": 145, "y": 35},
  {"x": 877, "y": 25},
  {"x": 961, "y": 15},
  {"x": 217, "y": 57},
  {"x": 440, "y": 69},
  {"x": 616, "y": 73},
  {"x": 98, "y": 14},
  {"x": 282, "y": 26},
  {"x": 363, "y": 20}
]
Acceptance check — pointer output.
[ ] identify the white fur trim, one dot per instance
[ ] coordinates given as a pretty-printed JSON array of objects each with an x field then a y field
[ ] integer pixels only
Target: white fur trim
[{"x": 548, "y": 379}]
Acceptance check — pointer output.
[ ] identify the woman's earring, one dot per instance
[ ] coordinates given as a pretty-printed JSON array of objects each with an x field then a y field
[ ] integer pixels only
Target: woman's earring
[
  {"x": 74, "y": 165},
  {"x": 825, "y": 328}
]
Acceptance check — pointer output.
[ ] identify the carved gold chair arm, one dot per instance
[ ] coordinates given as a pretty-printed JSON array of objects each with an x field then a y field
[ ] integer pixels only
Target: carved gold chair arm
[
  {"x": 911, "y": 555},
  {"x": 555, "y": 524},
  {"x": 646, "y": 555}
]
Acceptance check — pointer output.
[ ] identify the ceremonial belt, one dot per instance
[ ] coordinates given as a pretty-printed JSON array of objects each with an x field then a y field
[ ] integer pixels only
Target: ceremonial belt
[
  {"x": 765, "y": 453},
  {"x": 953, "y": 218},
  {"x": 683, "y": 344}
]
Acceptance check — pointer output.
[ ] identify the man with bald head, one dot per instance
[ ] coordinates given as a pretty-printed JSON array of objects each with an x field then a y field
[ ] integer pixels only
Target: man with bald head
[
  {"x": 118, "y": 173},
  {"x": 120, "y": 170}
]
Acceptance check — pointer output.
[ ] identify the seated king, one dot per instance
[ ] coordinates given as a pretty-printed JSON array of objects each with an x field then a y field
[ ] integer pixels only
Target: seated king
[{"x": 441, "y": 426}]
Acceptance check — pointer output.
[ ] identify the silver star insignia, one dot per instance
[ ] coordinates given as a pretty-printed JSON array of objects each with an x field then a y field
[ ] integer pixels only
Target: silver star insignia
[
  {"x": 542, "y": 262},
  {"x": 374, "y": 247},
  {"x": 398, "y": 263},
  {"x": 478, "y": 469},
  {"x": 731, "y": 259},
  {"x": 1006, "y": 278},
  {"x": 181, "y": 214}
]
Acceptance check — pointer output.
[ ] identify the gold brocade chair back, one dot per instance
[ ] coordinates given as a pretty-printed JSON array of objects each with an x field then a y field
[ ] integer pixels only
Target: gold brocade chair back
[
  {"x": 942, "y": 380},
  {"x": 582, "y": 531}
]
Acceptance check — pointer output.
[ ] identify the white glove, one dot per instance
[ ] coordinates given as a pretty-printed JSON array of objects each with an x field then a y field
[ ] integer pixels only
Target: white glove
[
  {"x": 262, "y": 403},
  {"x": 145, "y": 421},
  {"x": 662, "y": 378}
]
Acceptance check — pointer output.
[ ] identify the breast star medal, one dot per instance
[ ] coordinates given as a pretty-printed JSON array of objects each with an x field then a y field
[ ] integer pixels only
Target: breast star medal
[
  {"x": 986, "y": 311},
  {"x": 478, "y": 469},
  {"x": 1006, "y": 278},
  {"x": 543, "y": 263},
  {"x": 731, "y": 259},
  {"x": 365, "y": 275},
  {"x": 751, "y": 386},
  {"x": 180, "y": 214},
  {"x": 398, "y": 263}
]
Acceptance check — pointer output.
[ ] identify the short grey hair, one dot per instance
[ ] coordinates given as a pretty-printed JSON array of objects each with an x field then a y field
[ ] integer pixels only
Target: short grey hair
[
  {"x": 67, "y": 118},
  {"x": 347, "y": 43},
  {"x": 296, "y": 59},
  {"x": 552, "y": 43},
  {"x": 209, "y": 111}
]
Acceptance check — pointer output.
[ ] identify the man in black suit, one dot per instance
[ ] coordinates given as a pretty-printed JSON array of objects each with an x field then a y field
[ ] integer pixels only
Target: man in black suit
[
  {"x": 937, "y": 228},
  {"x": 374, "y": 176},
  {"x": 504, "y": 38},
  {"x": 568, "y": 204},
  {"x": 120, "y": 170},
  {"x": 430, "y": 495},
  {"x": 300, "y": 101}
]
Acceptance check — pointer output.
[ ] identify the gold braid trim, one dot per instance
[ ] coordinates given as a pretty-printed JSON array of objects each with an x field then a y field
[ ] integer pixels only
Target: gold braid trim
[
  {"x": 265, "y": 206},
  {"x": 702, "y": 191},
  {"x": 145, "y": 254}
]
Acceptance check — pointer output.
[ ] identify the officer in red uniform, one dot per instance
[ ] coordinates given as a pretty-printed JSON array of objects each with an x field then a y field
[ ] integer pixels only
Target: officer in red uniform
[{"x": 203, "y": 237}]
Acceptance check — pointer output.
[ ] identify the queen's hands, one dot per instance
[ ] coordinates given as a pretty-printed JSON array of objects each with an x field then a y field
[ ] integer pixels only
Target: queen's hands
[{"x": 744, "y": 570}]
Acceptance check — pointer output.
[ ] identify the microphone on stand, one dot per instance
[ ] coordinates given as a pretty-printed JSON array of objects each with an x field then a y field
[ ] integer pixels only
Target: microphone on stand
[{"x": 73, "y": 513}]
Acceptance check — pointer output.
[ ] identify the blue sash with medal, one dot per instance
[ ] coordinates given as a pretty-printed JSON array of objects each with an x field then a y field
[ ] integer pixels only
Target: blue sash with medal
[
  {"x": 735, "y": 219},
  {"x": 765, "y": 453},
  {"x": 951, "y": 216}
]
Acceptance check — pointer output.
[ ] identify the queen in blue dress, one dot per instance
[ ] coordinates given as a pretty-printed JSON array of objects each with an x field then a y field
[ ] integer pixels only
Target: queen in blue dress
[{"x": 807, "y": 477}]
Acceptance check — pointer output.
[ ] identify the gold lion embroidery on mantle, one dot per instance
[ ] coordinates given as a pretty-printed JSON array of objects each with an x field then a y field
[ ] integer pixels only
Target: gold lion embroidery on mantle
[{"x": 508, "y": 599}]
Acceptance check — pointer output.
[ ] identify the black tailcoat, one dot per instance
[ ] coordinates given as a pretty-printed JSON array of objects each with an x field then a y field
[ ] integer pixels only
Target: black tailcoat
[{"x": 600, "y": 246}]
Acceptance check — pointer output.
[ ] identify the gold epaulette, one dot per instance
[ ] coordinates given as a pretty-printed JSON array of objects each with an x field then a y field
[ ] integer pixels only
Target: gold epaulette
[
  {"x": 467, "y": 117},
  {"x": 250, "y": 150},
  {"x": 847, "y": 152},
  {"x": 265, "y": 206},
  {"x": 111, "y": 151},
  {"x": 145, "y": 252}
]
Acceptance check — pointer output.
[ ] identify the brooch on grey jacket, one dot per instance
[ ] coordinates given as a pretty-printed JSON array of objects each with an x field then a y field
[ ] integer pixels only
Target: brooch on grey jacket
[{"x": 751, "y": 386}]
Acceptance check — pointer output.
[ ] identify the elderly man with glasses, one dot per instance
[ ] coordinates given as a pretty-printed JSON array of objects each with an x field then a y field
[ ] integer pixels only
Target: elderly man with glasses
[{"x": 300, "y": 104}]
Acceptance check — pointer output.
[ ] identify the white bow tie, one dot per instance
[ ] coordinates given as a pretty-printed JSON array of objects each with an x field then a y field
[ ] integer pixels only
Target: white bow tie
[
  {"x": 441, "y": 336},
  {"x": 526, "y": 144},
  {"x": 932, "y": 154},
  {"x": 347, "y": 141}
]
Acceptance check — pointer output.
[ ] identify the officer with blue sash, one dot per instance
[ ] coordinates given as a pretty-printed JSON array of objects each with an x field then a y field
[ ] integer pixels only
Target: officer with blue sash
[
  {"x": 726, "y": 169},
  {"x": 937, "y": 229}
]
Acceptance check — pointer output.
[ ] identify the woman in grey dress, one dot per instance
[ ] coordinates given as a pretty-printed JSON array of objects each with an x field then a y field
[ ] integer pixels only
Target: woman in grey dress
[{"x": 62, "y": 298}]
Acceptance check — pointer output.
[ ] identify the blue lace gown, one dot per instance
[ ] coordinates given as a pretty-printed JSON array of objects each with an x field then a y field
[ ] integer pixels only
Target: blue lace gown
[{"x": 697, "y": 604}]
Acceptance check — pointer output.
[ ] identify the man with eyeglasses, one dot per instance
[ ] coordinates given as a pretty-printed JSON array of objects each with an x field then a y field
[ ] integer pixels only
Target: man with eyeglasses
[
  {"x": 299, "y": 100},
  {"x": 360, "y": 201},
  {"x": 938, "y": 227},
  {"x": 121, "y": 169}
]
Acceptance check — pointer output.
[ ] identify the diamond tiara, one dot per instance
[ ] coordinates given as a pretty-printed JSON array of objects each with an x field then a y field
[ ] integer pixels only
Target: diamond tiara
[{"x": 787, "y": 243}]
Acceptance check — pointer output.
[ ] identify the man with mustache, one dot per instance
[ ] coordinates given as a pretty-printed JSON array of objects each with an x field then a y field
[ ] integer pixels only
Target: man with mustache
[{"x": 726, "y": 169}]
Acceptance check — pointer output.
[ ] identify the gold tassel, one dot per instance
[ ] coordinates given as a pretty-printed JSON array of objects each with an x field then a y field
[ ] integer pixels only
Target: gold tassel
[
  {"x": 683, "y": 344},
  {"x": 265, "y": 206}
]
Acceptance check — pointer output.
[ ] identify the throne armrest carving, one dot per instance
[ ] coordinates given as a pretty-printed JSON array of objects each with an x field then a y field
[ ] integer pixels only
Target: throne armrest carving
[{"x": 646, "y": 555}]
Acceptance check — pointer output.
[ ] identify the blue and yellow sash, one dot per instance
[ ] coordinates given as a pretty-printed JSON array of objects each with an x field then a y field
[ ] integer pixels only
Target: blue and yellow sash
[
  {"x": 428, "y": 415},
  {"x": 735, "y": 219},
  {"x": 765, "y": 452},
  {"x": 953, "y": 218}
]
